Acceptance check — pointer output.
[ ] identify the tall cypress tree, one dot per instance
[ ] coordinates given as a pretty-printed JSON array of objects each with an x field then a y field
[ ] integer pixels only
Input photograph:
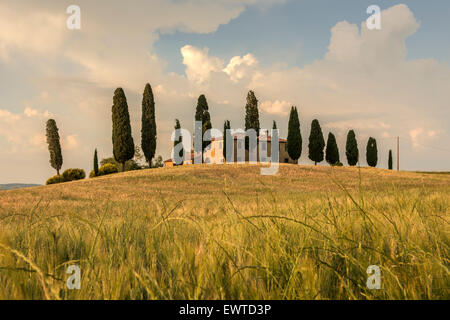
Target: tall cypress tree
[
  {"x": 226, "y": 126},
  {"x": 351, "y": 149},
  {"x": 316, "y": 142},
  {"x": 332, "y": 150},
  {"x": 148, "y": 131},
  {"x": 177, "y": 141},
  {"x": 123, "y": 145},
  {"x": 95, "y": 163},
  {"x": 294, "y": 138},
  {"x": 202, "y": 114},
  {"x": 390, "y": 164},
  {"x": 251, "y": 115},
  {"x": 372, "y": 152},
  {"x": 54, "y": 146},
  {"x": 274, "y": 126}
]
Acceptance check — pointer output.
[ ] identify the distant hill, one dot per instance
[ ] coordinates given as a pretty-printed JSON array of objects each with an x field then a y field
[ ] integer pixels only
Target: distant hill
[{"x": 10, "y": 186}]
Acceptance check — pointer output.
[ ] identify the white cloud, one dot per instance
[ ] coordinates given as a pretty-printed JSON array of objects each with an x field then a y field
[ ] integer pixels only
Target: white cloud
[
  {"x": 30, "y": 112},
  {"x": 276, "y": 107},
  {"x": 420, "y": 136},
  {"x": 238, "y": 67},
  {"x": 29, "y": 30},
  {"x": 70, "y": 142},
  {"x": 199, "y": 64}
]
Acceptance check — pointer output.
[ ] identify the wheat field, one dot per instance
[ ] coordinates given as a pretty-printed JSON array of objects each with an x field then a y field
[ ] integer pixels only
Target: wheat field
[{"x": 226, "y": 232}]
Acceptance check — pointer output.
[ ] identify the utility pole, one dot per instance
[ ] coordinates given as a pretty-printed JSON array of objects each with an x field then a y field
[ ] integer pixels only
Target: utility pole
[{"x": 398, "y": 153}]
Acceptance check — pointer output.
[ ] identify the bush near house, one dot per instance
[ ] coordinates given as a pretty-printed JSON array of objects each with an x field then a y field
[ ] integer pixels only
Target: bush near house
[
  {"x": 107, "y": 168},
  {"x": 73, "y": 174},
  {"x": 54, "y": 179}
]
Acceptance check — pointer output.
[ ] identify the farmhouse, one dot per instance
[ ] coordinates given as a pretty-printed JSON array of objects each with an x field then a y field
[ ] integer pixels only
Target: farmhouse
[{"x": 213, "y": 154}]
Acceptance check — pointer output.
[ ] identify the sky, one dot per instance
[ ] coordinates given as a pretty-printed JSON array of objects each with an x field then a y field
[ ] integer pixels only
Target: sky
[{"x": 316, "y": 55}]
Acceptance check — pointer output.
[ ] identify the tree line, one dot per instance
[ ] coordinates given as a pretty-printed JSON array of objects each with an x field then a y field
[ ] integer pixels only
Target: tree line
[{"x": 124, "y": 148}]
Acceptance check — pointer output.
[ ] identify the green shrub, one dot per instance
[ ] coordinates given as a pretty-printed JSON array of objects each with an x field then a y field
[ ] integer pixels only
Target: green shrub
[
  {"x": 54, "y": 179},
  {"x": 129, "y": 165},
  {"x": 105, "y": 169},
  {"x": 73, "y": 174}
]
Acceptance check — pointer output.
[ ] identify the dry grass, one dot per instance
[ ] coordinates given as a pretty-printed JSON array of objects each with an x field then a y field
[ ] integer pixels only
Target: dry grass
[{"x": 213, "y": 232}]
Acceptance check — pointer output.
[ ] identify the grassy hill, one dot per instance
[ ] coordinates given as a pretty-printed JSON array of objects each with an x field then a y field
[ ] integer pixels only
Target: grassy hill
[
  {"x": 10, "y": 186},
  {"x": 226, "y": 232}
]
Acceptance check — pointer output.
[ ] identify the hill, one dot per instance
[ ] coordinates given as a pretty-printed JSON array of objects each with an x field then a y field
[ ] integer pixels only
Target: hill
[
  {"x": 9, "y": 186},
  {"x": 225, "y": 231}
]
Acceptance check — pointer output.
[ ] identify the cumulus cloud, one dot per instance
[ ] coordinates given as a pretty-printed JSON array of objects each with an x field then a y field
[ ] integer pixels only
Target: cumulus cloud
[
  {"x": 199, "y": 64},
  {"x": 29, "y": 30},
  {"x": 276, "y": 107},
  {"x": 238, "y": 67}
]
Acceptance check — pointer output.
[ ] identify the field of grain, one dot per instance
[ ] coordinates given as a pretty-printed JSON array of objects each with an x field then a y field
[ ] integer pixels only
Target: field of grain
[{"x": 226, "y": 232}]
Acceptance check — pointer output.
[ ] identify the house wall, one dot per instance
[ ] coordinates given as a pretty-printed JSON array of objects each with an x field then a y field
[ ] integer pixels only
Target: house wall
[{"x": 214, "y": 152}]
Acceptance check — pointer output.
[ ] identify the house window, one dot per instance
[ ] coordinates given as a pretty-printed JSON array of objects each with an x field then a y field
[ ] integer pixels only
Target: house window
[
  {"x": 240, "y": 144},
  {"x": 264, "y": 146},
  {"x": 220, "y": 145}
]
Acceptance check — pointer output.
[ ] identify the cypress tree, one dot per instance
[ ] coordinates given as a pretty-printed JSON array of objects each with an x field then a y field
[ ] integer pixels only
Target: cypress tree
[
  {"x": 226, "y": 126},
  {"x": 390, "y": 164},
  {"x": 177, "y": 141},
  {"x": 95, "y": 163},
  {"x": 332, "y": 150},
  {"x": 251, "y": 115},
  {"x": 316, "y": 142},
  {"x": 351, "y": 149},
  {"x": 294, "y": 138},
  {"x": 202, "y": 114},
  {"x": 372, "y": 152},
  {"x": 123, "y": 145},
  {"x": 54, "y": 146},
  {"x": 274, "y": 126},
  {"x": 148, "y": 131}
]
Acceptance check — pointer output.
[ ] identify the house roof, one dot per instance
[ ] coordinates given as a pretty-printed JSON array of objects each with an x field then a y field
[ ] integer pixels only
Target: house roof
[{"x": 266, "y": 138}]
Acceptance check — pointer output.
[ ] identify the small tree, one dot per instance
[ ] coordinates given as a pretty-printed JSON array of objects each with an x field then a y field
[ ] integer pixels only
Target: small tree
[
  {"x": 390, "y": 165},
  {"x": 54, "y": 146},
  {"x": 226, "y": 126},
  {"x": 95, "y": 163},
  {"x": 123, "y": 145},
  {"x": 372, "y": 152},
  {"x": 351, "y": 149},
  {"x": 158, "y": 162},
  {"x": 332, "y": 150},
  {"x": 294, "y": 138},
  {"x": 177, "y": 141},
  {"x": 148, "y": 131},
  {"x": 274, "y": 126},
  {"x": 316, "y": 142}
]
